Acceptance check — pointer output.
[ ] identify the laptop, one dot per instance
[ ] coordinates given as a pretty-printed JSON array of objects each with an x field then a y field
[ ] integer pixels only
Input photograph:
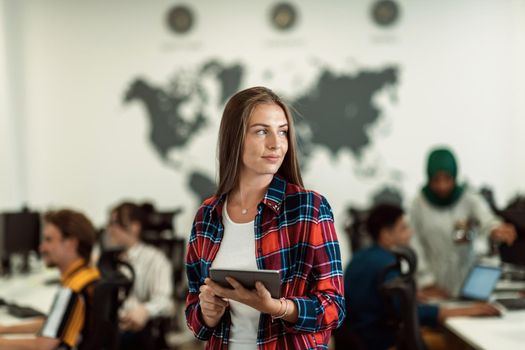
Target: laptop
[{"x": 481, "y": 282}]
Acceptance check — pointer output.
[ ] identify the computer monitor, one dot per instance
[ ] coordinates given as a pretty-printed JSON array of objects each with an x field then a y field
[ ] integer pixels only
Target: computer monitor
[{"x": 19, "y": 234}]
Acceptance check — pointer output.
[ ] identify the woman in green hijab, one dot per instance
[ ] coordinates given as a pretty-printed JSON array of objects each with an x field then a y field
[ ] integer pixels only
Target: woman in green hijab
[
  {"x": 443, "y": 215},
  {"x": 442, "y": 189}
]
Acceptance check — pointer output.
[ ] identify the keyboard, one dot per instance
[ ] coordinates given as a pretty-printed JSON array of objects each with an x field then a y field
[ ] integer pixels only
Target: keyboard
[
  {"x": 23, "y": 311},
  {"x": 512, "y": 303}
]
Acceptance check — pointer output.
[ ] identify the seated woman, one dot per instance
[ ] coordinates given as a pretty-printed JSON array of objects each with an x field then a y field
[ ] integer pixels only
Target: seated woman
[{"x": 152, "y": 292}]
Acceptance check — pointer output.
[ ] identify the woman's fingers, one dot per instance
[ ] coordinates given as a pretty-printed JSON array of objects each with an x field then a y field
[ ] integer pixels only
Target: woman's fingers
[
  {"x": 261, "y": 289},
  {"x": 204, "y": 297},
  {"x": 217, "y": 289},
  {"x": 233, "y": 282},
  {"x": 211, "y": 305},
  {"x": 213, "y": 293}
]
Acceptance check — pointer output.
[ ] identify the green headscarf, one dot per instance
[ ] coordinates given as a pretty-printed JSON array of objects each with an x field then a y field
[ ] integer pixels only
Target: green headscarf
[{"x": 442, "y": 159}]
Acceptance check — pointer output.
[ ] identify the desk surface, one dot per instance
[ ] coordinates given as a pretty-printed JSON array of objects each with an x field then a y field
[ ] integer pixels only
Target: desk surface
[
  {"x": 28, "y": 290},
  {"x": 506, "y": 332}
]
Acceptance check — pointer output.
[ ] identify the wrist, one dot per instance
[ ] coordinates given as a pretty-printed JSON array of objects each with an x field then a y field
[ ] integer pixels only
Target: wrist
[
  {"x": 276, "y": 307},
  {"x": 210, "y": 322},
  {"x": 283, "y": 310},
  {"x": 442, "y": 315}
]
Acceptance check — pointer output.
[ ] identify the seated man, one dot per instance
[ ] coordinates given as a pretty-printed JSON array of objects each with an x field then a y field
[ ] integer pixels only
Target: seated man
[
  {"x": 367, "y": 317},
  {"x": 68, "y": 238},
  {"x": 152, "y": 292}
]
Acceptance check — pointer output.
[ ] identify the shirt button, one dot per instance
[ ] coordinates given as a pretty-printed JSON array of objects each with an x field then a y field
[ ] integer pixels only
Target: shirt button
[{"x": 259, "y": 250}]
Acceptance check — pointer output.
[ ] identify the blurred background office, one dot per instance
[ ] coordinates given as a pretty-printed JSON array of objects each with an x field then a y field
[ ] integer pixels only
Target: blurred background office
[{"x": 108, "y": 100}]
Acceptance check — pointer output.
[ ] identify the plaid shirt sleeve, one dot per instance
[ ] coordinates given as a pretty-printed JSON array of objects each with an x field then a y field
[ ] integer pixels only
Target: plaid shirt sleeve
[
  {"x": 195, "y": 280},
  {"x": 323, "y": 308}
]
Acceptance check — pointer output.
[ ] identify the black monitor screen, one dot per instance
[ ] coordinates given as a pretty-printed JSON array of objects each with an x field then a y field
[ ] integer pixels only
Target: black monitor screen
[{"x": 20, "y": 232}]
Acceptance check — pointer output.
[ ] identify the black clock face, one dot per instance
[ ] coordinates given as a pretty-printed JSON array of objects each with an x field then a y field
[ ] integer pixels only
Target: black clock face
[
  {"x": 180, "y": 19},
  {"x": 283, "y": 16},
  {"x": 385, "y": 12}
]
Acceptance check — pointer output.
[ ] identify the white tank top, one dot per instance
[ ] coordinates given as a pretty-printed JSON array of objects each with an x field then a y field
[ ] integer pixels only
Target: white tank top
[{"x": 237, "y": 251}]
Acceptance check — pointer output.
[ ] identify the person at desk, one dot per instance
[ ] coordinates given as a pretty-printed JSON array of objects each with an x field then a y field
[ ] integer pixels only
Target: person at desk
[
  {"x": 442, "y": 215},
  {"x": 152, "y": 292},
  {"x": 68, "y": 238},
  {"x": 366, "y": 320},
  {"x": 261, "y": 217}
]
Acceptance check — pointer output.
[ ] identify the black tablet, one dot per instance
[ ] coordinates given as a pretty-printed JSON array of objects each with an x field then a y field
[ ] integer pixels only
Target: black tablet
[{"x": 270, "y": 279}]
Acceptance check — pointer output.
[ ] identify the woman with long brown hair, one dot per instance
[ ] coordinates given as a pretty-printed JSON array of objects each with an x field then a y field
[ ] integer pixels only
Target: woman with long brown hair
[{"x": 261, "y": 217}]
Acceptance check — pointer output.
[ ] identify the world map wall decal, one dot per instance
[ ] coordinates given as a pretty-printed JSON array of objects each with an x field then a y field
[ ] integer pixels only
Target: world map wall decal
[{"x": 335, "y": 111}]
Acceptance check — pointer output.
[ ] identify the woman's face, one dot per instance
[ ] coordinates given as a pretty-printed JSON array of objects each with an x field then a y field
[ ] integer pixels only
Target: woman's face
[
  {"x": 117, "y": 234},
  {"x": 442, "y": 184},
  {"x": 266, "y": 141}
]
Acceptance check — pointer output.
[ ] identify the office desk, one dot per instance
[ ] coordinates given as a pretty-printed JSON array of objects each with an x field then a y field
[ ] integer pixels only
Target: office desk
[
  {"x": 506, "y": 332},
  {"x": 28, "y": 290}
]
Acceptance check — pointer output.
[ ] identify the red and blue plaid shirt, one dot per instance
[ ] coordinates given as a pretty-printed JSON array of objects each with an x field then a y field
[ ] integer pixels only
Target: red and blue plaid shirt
[{"x": 295, "y": 234}]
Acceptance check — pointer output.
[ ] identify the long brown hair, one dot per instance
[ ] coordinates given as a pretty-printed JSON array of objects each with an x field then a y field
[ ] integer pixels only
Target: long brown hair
[{"x": 232, "y": 133}]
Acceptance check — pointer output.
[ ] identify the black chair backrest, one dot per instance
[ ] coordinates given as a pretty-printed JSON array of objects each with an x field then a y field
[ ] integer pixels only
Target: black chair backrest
[
  {"x": 158, "y": 224},
  {"x": 399, "y": 294},
  {"x": 355, "y": 228},
  {"x": 108, "y": 295}
]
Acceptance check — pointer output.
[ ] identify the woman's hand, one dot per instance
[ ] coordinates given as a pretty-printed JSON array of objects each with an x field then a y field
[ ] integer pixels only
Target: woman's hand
[
  {"x": 504, "y": 233},
  {"x": 134, "y": 320},
  {"x": 212, "y": 305},
  {"x": 258, "y": 298}
]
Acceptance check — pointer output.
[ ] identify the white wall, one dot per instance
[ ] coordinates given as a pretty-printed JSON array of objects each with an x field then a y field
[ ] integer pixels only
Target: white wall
[
  {"x": 461, "y": 84},
  {"x": 516, "y": 170},
  {"x": 4, "y": 164},
  {"x": 12, "y": 162}
]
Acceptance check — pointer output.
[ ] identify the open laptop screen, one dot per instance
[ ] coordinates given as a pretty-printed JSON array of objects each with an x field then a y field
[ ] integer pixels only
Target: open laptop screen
[{"x": 480, "y": 282}]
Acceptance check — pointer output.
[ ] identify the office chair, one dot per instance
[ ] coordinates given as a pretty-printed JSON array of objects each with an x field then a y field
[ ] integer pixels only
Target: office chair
[
  {"x": 355, "y": 228},
  {"x": 345, "y": 338},
  {"x": 101, "y": 330},
  {"x": 514, "y": 213},
  {"x": 158, "y": 230},
  {"x": 158, "y": 224},
  {"x": 154, "y": 333},
  {"x": 174, "y": 249},
  {"x": 399, "y": 294}
]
